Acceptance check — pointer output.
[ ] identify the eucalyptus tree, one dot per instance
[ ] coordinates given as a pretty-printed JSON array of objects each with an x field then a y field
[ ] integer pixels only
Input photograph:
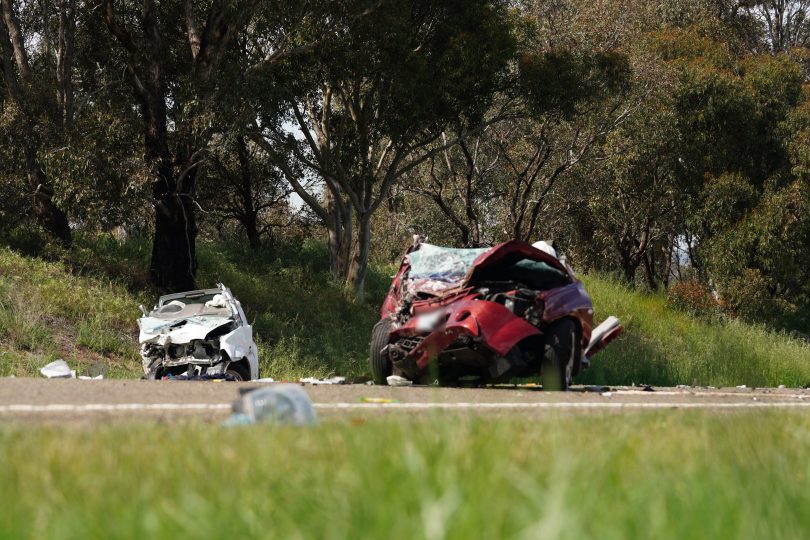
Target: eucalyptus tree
[
  {"x": 172, "y": 54},
  {"x": 30, "y": 107},
  {"x": 383, "y": 80}
]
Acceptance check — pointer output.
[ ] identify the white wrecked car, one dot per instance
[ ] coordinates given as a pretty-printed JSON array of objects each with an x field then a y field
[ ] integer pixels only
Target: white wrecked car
[{"x": 198, "y": 333}]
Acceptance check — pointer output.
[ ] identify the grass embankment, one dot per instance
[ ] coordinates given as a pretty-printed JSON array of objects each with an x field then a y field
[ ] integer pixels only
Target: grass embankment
[
  {"x": 665, "y": 347},
  {"x": 84, "y": 310},
  {"x": 641, "y": 475}
]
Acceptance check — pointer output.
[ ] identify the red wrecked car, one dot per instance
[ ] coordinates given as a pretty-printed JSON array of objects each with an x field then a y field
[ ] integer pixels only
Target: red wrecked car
[{"x": 484, "y": 316}]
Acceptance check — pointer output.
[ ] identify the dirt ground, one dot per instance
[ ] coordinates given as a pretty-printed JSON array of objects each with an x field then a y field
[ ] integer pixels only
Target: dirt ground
[{"x": 80, "y": 401}]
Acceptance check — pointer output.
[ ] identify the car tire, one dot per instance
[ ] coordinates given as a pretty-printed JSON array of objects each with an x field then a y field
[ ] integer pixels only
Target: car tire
[
  {"x": 238, "y": 371},
  {"x": 559, "y": 348},
  {"x": 378, "y": 361}
]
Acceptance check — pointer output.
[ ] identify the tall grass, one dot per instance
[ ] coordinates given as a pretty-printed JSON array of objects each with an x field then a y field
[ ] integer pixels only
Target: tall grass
[
  {"x": 607, "y": 476},
  {"x": 666, "y": 347},
  {"x": 47, "y": 312}
]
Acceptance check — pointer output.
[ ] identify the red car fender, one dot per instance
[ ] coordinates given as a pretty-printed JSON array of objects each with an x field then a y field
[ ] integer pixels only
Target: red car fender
[
  {"x": 497, "y": 328},
  {"x": 569, "y": 301}
]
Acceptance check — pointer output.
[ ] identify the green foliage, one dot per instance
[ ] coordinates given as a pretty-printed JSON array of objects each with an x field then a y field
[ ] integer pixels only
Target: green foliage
[
  {"x": 569, "y": 82},
  {"x": 765, "y": 254}
]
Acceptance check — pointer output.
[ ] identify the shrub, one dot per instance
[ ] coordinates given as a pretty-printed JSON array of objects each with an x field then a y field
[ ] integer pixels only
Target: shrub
[{"x": 692, "y": 297}]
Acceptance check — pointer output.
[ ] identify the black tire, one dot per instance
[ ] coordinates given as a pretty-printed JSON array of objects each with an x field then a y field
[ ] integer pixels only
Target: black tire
[
  {"x": 378, "y": 361},
  {"x": 238, "y": 371},
  {"x": 559, "y": 348}
]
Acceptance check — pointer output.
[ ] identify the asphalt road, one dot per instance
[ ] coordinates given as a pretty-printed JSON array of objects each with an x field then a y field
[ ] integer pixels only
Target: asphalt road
[{"x": 29, "y": 400}]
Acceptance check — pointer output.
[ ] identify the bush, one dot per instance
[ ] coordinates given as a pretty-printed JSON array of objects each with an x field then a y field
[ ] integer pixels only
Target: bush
[
  {"x": 749, "y": 296},
  {"x": 692, "y": 297}
]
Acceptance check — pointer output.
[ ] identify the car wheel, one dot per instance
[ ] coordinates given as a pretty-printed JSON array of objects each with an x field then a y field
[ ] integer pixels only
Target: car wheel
[
  {"x": 378, "y": 361},
  {"x": 238, "y": 371},
  {"x": 558, "y": 355}
]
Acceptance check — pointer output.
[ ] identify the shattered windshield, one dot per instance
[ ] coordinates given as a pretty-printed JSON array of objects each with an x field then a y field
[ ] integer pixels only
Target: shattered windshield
[
  {"x": 193, "y": 297},
  {"x": 442, "y": 264}
]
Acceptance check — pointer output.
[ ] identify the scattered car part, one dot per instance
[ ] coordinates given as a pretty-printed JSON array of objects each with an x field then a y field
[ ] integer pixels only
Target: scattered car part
[
  {"x": 195, "y": 333},
  {"x": 58, "y": 369}
]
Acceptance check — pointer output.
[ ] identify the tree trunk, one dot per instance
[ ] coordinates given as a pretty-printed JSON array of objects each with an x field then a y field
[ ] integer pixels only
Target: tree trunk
[
  {"x": 174, "y": 260},
  {"x": 357, "y": 273},
  {"x": 49, "y": 216},
  {"x": 339, "y": 235},
  {"x": 252, "y": 232},
  {"x": 649, "y": 271}
]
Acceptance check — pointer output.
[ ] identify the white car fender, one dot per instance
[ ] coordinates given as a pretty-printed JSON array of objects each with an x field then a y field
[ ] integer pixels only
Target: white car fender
[{"x": 239, "y": 344}]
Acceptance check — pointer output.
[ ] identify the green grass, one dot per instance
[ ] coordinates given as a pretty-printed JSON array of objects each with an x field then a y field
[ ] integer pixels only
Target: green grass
[
  {"x": 665, "y": 347},
  {"x": 84, "y": 309},
  {"x": 610, "y": 476},
  {"x": 47, "y": 312}
]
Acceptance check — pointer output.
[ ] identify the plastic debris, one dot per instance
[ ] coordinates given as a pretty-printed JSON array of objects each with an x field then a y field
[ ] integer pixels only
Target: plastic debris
[
  {"x": 89, "y": 378},
  {"x": 781, "y": 386},
  {"x": 598, "y": 389},
  {"x": 265, "y": 379},
  {"x": 58, "y": 369},
  {"x": 607, "y": 394},
  {"x": 741, "y": 386},
  {"x": 377, "y": 400},
  {"x": 396, "y": 380},
  {"x": 278, "y": 404},
  {"x": 316, "y": 381}
]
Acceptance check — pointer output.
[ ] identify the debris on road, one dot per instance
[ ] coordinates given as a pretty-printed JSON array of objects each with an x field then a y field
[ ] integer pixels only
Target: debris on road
[
  {"x": 278, "y": 404},
  {"x": 58, "y": 369},
  {"x": 596, "y": 389},
  {"x": 316, "y": 381},
  {"x": 396, "y": 380}
]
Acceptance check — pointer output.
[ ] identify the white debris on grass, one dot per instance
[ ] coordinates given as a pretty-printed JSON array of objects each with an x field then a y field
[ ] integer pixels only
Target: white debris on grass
[{"x": 58, "y": 369}]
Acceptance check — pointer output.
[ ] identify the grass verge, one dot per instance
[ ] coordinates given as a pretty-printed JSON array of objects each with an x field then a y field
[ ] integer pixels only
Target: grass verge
[
  {"x": 642, "y": 475},
  {"x": 664, "y": 347}
]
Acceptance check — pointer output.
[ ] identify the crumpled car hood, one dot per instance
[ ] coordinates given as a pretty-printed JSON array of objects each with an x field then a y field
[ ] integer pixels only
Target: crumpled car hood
[{"x": 178, "y": 331}]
